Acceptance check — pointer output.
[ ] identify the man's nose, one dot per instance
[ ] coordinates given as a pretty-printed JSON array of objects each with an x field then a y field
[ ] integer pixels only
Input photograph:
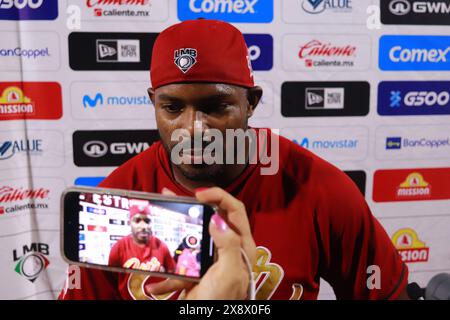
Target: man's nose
[{"x": 195, "y": 121}]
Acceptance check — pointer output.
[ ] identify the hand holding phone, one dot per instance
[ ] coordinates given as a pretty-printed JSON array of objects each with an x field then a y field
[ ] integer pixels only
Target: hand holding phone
[
  {"x": 228, "y": 277},
  {"x": 127, "y": 231}
]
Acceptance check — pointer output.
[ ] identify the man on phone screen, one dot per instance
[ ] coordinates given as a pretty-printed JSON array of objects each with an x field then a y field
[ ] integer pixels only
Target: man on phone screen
[{"x": 141, "y": 249}]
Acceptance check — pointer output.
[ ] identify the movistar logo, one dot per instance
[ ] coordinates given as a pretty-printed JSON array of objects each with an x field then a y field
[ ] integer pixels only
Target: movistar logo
[
  {"x": 327, "y": 144},
  {"x": 88, "y": 101}
]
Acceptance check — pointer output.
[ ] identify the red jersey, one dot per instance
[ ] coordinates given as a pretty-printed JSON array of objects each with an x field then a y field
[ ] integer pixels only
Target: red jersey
[{"x": 309, "y": 221}]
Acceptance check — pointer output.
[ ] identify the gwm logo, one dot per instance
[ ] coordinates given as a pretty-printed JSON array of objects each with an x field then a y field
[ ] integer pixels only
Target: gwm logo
[{"x": 33, "y": 260}]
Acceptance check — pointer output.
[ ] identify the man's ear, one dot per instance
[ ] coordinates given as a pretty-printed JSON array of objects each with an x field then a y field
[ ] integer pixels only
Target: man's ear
[
  {"x": 253, "y": 96},
  {"x": 151, "y": 95}
]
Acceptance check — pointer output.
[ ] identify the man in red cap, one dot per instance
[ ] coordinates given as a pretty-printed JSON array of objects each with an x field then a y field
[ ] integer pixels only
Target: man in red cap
[
  {"x": 308, "y": 219},
  {"x": 141, "y": 250}
]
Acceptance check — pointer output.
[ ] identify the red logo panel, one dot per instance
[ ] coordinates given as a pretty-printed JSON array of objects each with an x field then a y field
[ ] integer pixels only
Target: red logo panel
[
  {"x": 30, "y": 101},
  {"x": 411, "y": 184}
]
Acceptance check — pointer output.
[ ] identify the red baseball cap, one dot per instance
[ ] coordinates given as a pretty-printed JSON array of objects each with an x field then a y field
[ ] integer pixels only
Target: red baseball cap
[
  {"x": 201, "y": 51},
  {"x": 139, "y": 209}
]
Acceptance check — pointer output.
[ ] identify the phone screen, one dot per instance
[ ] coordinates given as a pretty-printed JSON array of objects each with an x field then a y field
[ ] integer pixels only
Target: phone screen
[{"x": 123, "y": 232}]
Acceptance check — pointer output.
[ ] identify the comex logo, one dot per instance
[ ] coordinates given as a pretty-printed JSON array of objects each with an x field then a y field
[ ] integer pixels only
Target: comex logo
[
  {"x": 33, "y": 261},
  {"x": 420, "y": 98},
  {"x": 399, "y": 54},
  {"x": 185, "y": 58},
  {"x": 399, "y": 7},
  {"x": 319, "y": 6},
  {"x": 97, "y": 149},
  {"x": 223, "y": 6}
]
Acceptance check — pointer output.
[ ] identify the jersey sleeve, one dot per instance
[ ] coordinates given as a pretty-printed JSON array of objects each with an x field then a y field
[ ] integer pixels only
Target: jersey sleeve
[
  {"x": 89, "y": 284},
  {"x": 114, "y": 256},
  {"x": 358, "y": 258}
]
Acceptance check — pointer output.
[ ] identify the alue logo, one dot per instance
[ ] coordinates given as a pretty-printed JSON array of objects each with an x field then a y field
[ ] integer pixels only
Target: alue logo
[
  {"x": 31, "y": 260},
  {"x": 28, "y": 10},
  {"x": 413, "y": 97},
  {"x": 11, "y": 197},
  {"x": 9, "y": 148},
  {"x": 319, "y": 6},
  {"x": 415, "y": 53},
  {"x": 227, "y": 10},
  {"x": 30, "y": 100},
  {"x": 430, "y": 12},
  {"x": 411, "y": 184},
  {"x": 410, "y": 247}
]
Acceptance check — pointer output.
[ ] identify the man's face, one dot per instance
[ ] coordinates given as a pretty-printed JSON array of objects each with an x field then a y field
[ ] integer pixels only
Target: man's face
[
  {"x": 140, "y": 228},
  {"x": 217, "y": 106}
]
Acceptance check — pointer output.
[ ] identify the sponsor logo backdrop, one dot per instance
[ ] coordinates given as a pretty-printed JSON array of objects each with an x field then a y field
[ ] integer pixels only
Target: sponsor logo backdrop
[{"x": 360, "y": 83}]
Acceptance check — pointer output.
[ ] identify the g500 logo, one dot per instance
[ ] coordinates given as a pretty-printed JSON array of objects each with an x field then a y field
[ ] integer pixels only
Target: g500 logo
[{"x": 33, "y": 261}]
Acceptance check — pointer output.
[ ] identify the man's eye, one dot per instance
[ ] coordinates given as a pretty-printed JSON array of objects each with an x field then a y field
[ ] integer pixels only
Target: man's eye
[{"x": 172, "y": 108}]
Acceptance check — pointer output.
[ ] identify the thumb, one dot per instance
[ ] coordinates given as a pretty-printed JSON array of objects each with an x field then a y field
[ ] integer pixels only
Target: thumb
[{"x": 225, "y": 239}]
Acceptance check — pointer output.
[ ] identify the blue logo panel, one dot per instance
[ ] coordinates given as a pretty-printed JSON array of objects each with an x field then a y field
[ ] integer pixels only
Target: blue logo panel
[
  {"x": 393, "y": 143},
  {"x": 29, "y": 10},
  {"x": 88, "y": 181},
  {"x": 399, "y": 98},
  {"x": 260, "y": 47},
  {"x": 414, "y": 53},
  {"x": 251, "y": 11}
]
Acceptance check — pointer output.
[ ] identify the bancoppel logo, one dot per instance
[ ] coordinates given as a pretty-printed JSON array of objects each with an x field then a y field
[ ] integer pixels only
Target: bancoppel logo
[
  {"x": 319, "y": 6},
  {"x": 393, "y": 143},
  {"x": 185, "y": 58},
  {"x": 411, "y": 184},
  {"x": 412, "y": 142},
  {"x": 118, "y": 51},
  {"x": 324, "y": 99},
  {"x": 413, "y": 97},
  {"x": 399, "y": 142},
  {"x": 260, "y": 51},
  {"x": 30, "y": 100},
  {"x": 40, "y": 51},
  {"x": 325, "y": 52},
  {"x": 331, "y": 143},
  {"x": 14, "y": 200},
  {"x": 28, "y": 10},
  {"x": 410, "y": 247},
  {"x": 414, "y": 53},
  {"x": 110, "y": 148},
  {"x": 31, "y": 260},
  {"x": 415, "y": 12},
  {"x": 227, "y": 10},
  {"x": 110, "y": 51}
]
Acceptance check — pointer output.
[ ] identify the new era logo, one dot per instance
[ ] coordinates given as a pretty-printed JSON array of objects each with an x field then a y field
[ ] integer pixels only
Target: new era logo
[
  {"x": 185, "y": 58},
  {"x": 118, "y": 51},
  {"x": 324, "y": 98}
]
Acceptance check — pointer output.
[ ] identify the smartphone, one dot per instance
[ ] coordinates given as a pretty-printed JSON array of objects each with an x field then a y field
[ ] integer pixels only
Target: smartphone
[{"x": 129, "y": 231}]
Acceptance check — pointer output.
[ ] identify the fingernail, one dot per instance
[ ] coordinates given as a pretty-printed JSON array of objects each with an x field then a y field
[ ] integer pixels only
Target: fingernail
[
  {"x": 200, "y": 189},
  {"x": 220, "y": 224}
]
